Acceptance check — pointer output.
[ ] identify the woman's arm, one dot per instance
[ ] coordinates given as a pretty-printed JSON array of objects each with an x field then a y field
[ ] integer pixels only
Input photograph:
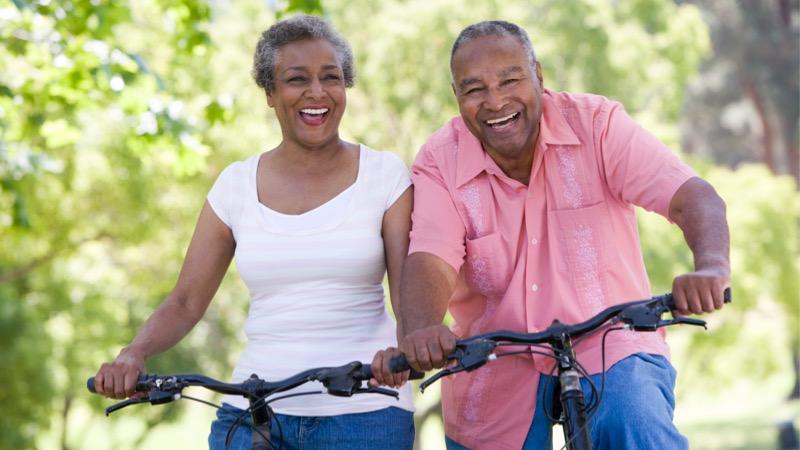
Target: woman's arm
[
  {"x": 395, "y": 229},
  {"x": 207, "y": 259}
]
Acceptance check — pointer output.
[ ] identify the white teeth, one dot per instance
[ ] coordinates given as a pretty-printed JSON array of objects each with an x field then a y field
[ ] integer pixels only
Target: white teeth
[
  {"x": 314, "y": 111},
  {"x": 502, "y": 119}
]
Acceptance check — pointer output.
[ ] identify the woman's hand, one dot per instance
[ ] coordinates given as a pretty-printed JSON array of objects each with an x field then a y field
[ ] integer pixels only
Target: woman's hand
[
  {"x": 381, "y": 373},
  {"x": 117, "y": 379}
]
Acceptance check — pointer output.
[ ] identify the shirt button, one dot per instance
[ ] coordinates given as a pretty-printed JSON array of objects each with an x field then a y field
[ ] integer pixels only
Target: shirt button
[
  {"x": 534, "y": 287},
  {"x": 534, "y": 241}
]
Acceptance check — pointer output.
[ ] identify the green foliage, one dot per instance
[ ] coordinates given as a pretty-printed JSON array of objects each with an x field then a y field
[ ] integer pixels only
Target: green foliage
[
  {"x": 763, "y": 215},
  {"x": 110, "y": 111},
  {"x": 27, "y": 387},
  {"x": 100, "y": 115}
]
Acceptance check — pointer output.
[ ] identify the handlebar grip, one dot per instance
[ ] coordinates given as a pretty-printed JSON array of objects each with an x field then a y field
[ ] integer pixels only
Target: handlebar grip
[
  {"x": 142, "y": 384},
  {"x": 669, "y": 301},
  {"x": 399, "y": 363},
  {"x": 365, "y": 371}
]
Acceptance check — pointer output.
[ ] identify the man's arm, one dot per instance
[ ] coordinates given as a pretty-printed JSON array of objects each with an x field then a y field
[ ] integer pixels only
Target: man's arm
[
  {"x": 427, "y": 284},
  {"x": 700, "y": 213}
]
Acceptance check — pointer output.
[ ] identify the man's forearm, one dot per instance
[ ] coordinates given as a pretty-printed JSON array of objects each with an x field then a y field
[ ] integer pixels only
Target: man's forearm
[
  {"x": 426, "y": 287},
  {"x": 700, "y": 213}
]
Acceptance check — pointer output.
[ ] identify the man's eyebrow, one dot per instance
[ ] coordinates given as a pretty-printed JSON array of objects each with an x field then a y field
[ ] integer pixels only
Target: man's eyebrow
[
  {"x": 467, "y": 81},
  {"x": 510, "y": 70}
]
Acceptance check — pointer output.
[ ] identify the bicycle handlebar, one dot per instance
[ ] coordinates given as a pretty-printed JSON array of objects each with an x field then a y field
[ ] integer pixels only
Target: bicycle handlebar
[
  {"x": 641, "y": 315},
  {"x": 341, "y": 381}
]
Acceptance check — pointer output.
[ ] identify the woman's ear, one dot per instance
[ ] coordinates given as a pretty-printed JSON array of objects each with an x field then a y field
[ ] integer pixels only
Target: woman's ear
[{"x": 269, "y": 99}]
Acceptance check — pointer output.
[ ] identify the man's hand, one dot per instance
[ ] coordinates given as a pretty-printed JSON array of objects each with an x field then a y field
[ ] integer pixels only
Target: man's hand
[
  {"x": 427, "y": 348},
  {"x": 700, "y": 291}
]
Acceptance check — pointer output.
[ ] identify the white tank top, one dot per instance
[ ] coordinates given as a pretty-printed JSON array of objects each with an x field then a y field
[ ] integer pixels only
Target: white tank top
[{"x": 315, "y": 281}]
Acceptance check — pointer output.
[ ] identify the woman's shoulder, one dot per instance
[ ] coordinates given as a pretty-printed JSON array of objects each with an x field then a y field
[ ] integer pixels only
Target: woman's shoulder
[
  {"x": 240, "y": 168},
  {"x": 382, "y": 158}
]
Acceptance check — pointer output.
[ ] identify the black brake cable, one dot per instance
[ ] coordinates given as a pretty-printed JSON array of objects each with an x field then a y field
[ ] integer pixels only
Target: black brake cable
[
  {"x": 199, "y": 400},
  {"x": 296, "y": 394}
]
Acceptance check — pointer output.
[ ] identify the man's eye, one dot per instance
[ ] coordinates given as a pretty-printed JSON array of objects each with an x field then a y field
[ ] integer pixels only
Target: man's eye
[
  {"x": 474, "y": 90},
  {"x": 510, "y": 81},
  {"x": 332, "y": 76},
  {"x": 297, "y": 79}
]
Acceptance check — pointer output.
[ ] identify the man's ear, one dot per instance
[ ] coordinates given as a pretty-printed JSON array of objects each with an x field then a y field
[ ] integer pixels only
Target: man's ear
[
  {"x": 538, "y": 69},
  {"x": 270, "y": 102}
]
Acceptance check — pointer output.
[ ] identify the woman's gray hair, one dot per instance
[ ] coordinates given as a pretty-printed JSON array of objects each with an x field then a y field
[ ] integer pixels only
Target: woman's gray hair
[
  {"x": 295, "y": 29},
  {"x": 494, "y": 28}
]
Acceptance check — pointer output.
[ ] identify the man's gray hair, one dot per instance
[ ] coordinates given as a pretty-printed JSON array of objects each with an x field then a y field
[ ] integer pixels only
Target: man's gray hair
[
  {"x": 493, "y": 28},
  {"x": 293, "y": 29}
]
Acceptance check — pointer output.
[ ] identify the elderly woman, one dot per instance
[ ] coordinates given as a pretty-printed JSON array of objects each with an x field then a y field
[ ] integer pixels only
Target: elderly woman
[{"x": 314, "y": 224}]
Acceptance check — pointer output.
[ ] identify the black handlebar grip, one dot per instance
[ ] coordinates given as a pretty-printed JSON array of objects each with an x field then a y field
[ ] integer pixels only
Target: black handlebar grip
[
  {"x": 727, "y": 297},
  {"x": 142, "y": 384},
  {"x": 399, "y": 363}
]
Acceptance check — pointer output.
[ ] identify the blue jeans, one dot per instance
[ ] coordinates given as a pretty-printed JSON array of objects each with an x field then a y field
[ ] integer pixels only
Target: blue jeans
[
  {"x": 388, "y": 428},
  {"x": 635, "y": 414}
]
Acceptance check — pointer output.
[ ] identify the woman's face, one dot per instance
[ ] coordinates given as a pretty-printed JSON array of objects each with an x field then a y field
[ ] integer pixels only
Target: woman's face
[{"x": 309, "y": 95}]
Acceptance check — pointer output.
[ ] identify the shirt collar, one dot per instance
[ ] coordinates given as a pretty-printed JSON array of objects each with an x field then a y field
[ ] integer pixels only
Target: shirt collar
[{"x": 472, "y": 160}]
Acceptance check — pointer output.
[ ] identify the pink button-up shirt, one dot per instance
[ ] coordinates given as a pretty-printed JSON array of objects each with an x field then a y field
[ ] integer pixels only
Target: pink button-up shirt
[{"x": 563, "y": 247}]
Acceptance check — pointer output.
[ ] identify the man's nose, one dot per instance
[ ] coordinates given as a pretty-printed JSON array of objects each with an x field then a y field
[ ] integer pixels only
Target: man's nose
[{"x": 495, "y": 100}]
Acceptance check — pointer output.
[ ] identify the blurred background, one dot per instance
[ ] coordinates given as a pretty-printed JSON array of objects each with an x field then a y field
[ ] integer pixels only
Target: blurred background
[{"x": 116, "y": 117}]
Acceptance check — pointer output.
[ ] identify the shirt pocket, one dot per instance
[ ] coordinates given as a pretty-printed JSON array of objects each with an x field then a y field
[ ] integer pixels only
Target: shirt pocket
[
  {"x": 488, "y": 264},
  {"x": 586, "y": 243}
]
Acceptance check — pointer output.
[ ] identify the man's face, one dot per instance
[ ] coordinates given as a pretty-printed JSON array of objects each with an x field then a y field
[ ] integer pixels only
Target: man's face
[{"x": 499, "y": 95}]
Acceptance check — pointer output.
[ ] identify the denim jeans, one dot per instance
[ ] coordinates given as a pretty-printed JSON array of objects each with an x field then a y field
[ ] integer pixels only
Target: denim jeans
[
  {"x": 635, "y": 414},
  {"x": 388, "y": 428}
]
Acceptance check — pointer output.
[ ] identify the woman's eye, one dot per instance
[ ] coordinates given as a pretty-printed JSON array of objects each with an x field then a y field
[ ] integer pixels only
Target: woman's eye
[
  {"x": 474, "y": 90},
  {"x": 296, "y": 79},
  {"x": 510, "y": 81}
]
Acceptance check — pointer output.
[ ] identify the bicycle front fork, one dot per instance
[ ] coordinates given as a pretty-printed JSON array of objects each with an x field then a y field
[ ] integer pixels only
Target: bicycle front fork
[{"x": 576, "y": 431}]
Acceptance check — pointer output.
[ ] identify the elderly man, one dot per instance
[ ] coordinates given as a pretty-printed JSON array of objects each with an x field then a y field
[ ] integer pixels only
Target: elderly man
[{"x": 524, "y": 213}]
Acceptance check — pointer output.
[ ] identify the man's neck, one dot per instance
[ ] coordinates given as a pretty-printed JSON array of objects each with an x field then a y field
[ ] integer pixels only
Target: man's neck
[{"x": 518, "y": 167}]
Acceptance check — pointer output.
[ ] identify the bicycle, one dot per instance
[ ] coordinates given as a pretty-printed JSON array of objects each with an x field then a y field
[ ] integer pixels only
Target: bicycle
[
  {"x": 571, "y": 410},
  {"x": 341, "y": 381}
]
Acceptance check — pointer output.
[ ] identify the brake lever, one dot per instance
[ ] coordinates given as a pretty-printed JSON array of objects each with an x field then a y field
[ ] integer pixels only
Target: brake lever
[
  {"x": 442, "y": 373},
  {"x": 128, "y": 402},
  {"x": 377, "y": 390},
  {"x": 683, "y": 321},
  {"x": 469, "y": 355}
]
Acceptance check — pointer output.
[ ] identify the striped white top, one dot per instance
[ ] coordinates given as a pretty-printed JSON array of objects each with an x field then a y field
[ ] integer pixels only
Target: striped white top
[{"x": 315, "y": 280}]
